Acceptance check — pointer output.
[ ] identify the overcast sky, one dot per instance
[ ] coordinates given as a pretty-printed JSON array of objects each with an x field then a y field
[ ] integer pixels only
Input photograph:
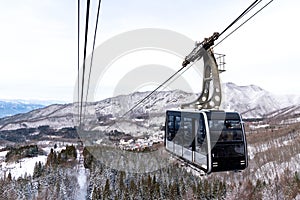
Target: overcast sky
[{"x": 38, "y": 41}]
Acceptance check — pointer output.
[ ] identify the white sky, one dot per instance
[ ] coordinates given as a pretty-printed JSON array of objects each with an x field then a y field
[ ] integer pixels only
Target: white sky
[{"x": 38, "y": 41}]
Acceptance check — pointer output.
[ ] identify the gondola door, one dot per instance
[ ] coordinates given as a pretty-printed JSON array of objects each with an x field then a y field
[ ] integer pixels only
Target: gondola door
[{"x": 202, "y": 156}]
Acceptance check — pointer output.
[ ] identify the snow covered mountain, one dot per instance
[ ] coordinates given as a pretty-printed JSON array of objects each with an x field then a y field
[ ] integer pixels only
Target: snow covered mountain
[
  {"x": 254, "y": 102},
  {"x": 251, "y": 101}
]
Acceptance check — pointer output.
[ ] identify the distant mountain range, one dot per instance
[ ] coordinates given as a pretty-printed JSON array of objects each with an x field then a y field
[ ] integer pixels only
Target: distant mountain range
[
  {"x": 13, "y": 107},
  {"x": 251, "y": 101}
]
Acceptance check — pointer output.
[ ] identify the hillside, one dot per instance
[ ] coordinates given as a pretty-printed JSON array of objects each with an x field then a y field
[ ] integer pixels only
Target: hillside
[
  {"x": 273, "y": 173},
  {"x": 251, "y": 101}
]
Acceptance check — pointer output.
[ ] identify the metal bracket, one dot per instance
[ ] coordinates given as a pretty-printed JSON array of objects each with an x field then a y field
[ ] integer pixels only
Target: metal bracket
[{"x": 211, "y": 95}]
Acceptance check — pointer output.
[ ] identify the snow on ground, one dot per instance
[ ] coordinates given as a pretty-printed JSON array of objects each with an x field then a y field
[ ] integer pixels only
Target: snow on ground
[
  {"x": 279, "y": 142},
  {"x": 24, "y": 166},
  {"x": 3, "y": 154},
  {"x": 56, "y": 123},
  {"x": 271, "y": 169},
  {"x": 253, "y": 127},
  {"x": 290, "y": 121},
  {"x": 82, "y": 182},
  {"x": 251, "y": 152},
  {"x": 82, "y": 177}
]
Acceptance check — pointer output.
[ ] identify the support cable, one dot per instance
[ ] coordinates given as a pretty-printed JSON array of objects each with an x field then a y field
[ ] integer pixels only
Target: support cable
[
  {"x": 78, "y": 53},
  {"x": 84, "y": 58},
  {"x": 208, "y": 42},
  {"x": 169, "y": 81},
  {"x": 151, "y": 93},
  {"x": 243, "y": 23},
  {"x": 240, "y": 16},
  {"x": 92, "y": 56},
  {"x": 255, "y": 3}
]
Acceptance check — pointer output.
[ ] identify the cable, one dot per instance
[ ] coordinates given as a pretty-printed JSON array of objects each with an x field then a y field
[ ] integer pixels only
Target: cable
[
  {"x": 141, "y": 101},
  {"x": 249, "y": 8},
  {"x": 150, "y": 94},
  {"x": 243, "y": 23},
  {"x": 92, "y": 56},
  {"x": 78, "y": 47},
  {"x": 254, "y": 4},
  {"x": 84, "y": 57},
  {"x": 177, "y": 73},
  {"x": 253, "y": 7},
  {"x": 209, "y": 42},
  {"x": 161, "y": 85},
  {"x": 241, "y": 15}
]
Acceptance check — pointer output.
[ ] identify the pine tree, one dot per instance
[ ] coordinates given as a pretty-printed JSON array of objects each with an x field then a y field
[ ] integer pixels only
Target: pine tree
[
  {"x": 173, "y": 194},
  {"x": 182, "y": 187},
  {"x": 224, "y": 190},
  {"x": 106, "y": 190},
  {"x": 96, "y": 193},
  {"x": 199, "y": 189},
  {"x": 149, "y": 186},
  {"x": 206, "y": 189},
  {"x": 9, "y": 178},
  {"x": 154, "y": 179},
  {"x": 37, "y": 171},
  {"x": 52, "y": 159},
  {"x": 88, "y": 159},
  {"x": 57, "y": 191},
  {"x": 126, "y": 193},
  {"x": 215, "y": 189},
  {"x": 157, "y": 191},
  {"x": 121, "y": 181}
]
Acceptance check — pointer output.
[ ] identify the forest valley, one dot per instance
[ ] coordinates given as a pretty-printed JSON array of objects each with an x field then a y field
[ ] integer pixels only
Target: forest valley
[{"x": 71, "y": 172}]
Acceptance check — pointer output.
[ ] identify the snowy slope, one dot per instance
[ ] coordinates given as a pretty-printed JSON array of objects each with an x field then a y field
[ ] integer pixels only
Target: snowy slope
[
  {"x": 290, "y": 114},
  {"x": 26, "y": 165},
  {"x": 251, "y": 101},
  {"x": 254, "y": 102}
]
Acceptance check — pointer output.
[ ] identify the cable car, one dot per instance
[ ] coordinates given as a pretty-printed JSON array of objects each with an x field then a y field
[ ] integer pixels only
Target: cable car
[{"x": 211, "y": 140}]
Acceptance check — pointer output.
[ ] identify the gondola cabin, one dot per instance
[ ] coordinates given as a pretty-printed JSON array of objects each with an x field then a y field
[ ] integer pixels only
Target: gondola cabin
[{"x": 211, "y": 140}]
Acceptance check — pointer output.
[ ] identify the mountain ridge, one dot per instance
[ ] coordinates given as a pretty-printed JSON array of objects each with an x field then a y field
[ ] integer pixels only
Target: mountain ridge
[{"x": 251, "y": 101}]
